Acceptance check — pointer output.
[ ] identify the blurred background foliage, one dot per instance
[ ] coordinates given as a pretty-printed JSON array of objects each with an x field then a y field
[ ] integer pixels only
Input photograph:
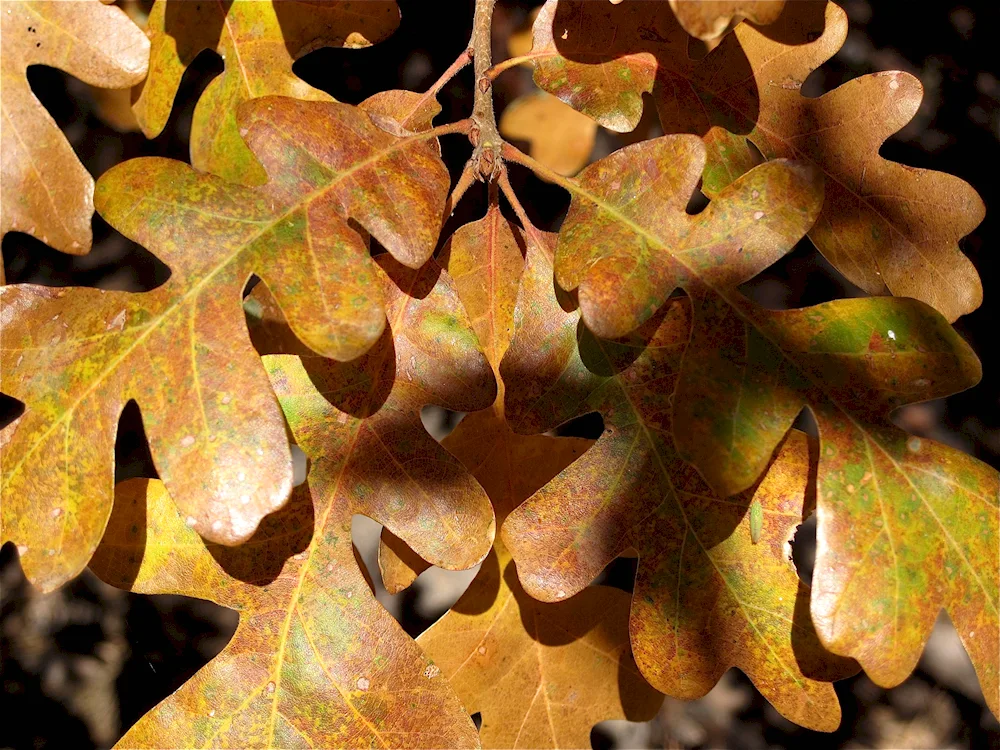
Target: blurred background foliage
[{"x": 81, "y": 665}]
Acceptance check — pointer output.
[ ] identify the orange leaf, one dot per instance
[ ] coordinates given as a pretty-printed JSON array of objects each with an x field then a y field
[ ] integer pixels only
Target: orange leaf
[
  {"x": 561, "y": 138},
  {"x": 709, "y": 19},
  {"x": 359, "y": 422},
  {"x": 76, "y": 356},
  {"x": 885, "y": 505},
  {"x": 889, "y": 228}
]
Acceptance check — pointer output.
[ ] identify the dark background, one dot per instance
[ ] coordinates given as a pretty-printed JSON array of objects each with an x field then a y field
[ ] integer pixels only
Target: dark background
[{"x": 82, "y": 664}]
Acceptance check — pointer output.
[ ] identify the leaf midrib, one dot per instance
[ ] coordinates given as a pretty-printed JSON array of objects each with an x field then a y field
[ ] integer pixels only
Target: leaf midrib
[{"x": 180, "y": 302}]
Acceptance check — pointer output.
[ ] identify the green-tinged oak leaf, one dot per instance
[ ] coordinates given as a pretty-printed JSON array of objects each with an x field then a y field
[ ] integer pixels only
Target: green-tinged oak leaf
[
  {"x": 258, "y": 41},
  {"x": 705, "y": 597},
  {"x": 315, "y": 660},
  {"x": 76, "y": 356},
  {"x": 628, "y": 242},
  {"x": 889, "y": 228},
  {"x": 359, "y": 421},
  {"x": 894, "y": 510},
  {"x": 47, "y": 192}
]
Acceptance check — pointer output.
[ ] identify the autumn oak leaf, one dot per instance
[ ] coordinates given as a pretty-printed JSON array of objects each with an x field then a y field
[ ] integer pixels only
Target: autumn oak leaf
[
  {"x": 76, "y": 356},
  {"x": 885, "y": 507},
  {"x": 47, "y": 192},
  {"x": 540, "y": 674},
  {"x": 359, "y": 421},
  {"x": 631, "y": 490},
  {"x": 258, "y": 41},
  {"x": 485, "y": 260},
  {"x": 889, "y": 228},
  {"x": 315, "y": 660}
]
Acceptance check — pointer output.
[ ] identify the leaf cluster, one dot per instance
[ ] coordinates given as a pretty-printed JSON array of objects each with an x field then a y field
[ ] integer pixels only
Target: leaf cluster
[{"x": 364, "y": 314}]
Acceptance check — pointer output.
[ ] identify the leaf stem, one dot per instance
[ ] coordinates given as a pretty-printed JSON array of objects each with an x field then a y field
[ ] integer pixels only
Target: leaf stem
[
  {"x": 508, "y": 190},
  {"x": 511, "y": 62},
  {"x": 464, "y": 59},
  {"x": 464, "y": 181},
  {"x": 461, "y": 126},
  {"x": 517, "y": 156},
  {"x": 485, "y": 137}
]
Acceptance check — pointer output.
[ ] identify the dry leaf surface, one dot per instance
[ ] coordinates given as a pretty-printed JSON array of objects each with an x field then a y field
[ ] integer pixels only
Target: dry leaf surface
[
  {"x": 359, "y": 421},
  {"x": 540, "y": 674},
  {"x": 47, "y": 192},
  {"x": 76, "y": 356},
  {"x": 705, "y": 598},
  {"x": 315, "y": 660},
  {"x": 889, "y": 228},
  {"x": 888, "y": 502}
]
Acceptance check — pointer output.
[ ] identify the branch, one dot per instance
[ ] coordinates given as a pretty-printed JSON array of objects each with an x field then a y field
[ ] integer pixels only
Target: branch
[{"x": 486, "y": 158}]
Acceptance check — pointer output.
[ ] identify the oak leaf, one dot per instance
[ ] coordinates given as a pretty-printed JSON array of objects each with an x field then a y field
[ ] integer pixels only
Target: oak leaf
[
  {"x": 889, "y": 228},
  {"x": 705, "y": 597},
  {"x": 484, "y": 258},
  {"x": 359, "y": 421},
  {"x": 47, "y": 192},
  {"x": 540, "y": 674},
  {"x": 258, "y": 41},
  {"x": 315, "y": 660},
  {"x": 888, "y": 502},
  {"x": 76, "y": 356},
  {"x": 560, "y": 137}
]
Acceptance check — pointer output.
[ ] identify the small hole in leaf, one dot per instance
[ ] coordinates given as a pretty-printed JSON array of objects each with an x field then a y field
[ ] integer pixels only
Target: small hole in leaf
[
  {"x": 590, "y": 426},
  {"x": 601, "y": 737},
  {"x": 698, "y": 201},
  {"x": 132, "y": 454},
  {"x": 10, "y": 409},
  {"x": 804, "y": 549},
  {"x": 477, "y": 719},
  {"x": 440, "y": 422},
  {"x": 300, "y": 466}
]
